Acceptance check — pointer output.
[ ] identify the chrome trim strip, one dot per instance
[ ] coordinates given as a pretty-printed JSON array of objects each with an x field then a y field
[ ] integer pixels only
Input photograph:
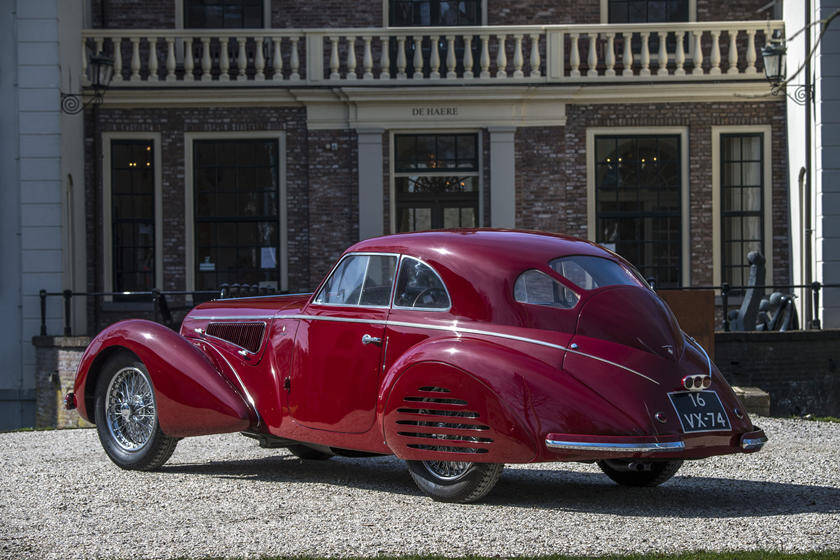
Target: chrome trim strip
[
  {"x": 263, "y": 297},
  {"x": 749, "y": 444},
  {"x": 457, "y": 329},
  {"x": 700, "y": 346},
  {"x": 230, "y": 317},
  {"x": 239, "y": 379},
  {"x": 615, "y": 447}
]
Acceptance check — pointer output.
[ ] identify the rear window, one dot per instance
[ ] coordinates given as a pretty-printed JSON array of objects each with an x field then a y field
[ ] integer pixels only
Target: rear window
[
  {"x": 538, "y": 288},
  {"x": 590, "y": 273}
]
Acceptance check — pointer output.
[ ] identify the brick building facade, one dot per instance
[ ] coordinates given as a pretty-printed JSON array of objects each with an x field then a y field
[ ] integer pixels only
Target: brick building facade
[{"x": 373, "y": 125}]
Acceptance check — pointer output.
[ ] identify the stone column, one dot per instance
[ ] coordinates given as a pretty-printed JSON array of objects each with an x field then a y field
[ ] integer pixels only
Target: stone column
[
  {"x": 371, "y": 208},
  {"x": 502, "y": 175}
]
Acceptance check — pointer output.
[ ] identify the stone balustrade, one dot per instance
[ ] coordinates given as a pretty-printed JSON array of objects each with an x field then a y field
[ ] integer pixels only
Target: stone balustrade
[{"x": 708, "y": 51}]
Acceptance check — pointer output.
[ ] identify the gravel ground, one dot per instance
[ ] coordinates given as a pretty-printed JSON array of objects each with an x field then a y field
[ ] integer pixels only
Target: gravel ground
[{"x": 60, "y": 497}]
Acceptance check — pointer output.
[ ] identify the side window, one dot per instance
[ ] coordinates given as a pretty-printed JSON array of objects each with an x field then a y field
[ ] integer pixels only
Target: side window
[
  {"x": 538, "y": 288},
  {"x": 418, "y": 286},
  {"x": 360, "y": 280},
  {"x": 379, "y": 279},
  {"x": 594, "y": 272}
]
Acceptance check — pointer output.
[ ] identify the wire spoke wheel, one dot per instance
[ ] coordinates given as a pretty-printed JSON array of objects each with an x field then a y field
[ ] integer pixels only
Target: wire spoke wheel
[
  {"x": 447, "y": 470},
  {"x": 130, "y": 409}
]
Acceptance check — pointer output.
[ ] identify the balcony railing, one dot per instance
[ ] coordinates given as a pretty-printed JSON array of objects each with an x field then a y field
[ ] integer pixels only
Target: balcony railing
[{"x": 708, "y": 51}]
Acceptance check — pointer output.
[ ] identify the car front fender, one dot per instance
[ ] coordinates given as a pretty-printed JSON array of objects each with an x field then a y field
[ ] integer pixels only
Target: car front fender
[{"x": 193, "y": 397}]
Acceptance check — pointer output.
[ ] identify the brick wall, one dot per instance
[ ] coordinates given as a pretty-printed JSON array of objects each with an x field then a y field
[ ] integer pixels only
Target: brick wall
[
  {"x": 160, "y": 14},
  {"x": 799, "y": 369},
  {"x": 56, "y": 359},
  {"x": 551, "y": 170},
  {"x": 333, "y": 199},
  {"x": 133, "y": 14},
  {"x": 326, "y": 13},
  {"x": 542, "y": 12}
]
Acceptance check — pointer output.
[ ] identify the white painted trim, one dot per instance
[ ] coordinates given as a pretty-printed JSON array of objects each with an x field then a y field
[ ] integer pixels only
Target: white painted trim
[
  {"x": 189, "y": 210},
  {"x": 605, "y": 11},
  {"x": 179, "y": 15},
  {"x": 392, "y": 187},
  {"x": 386, "y": 12},
  {"x": 107, "y": 238},
  {"x": 717, "y": 231},
  {"x": 685, "y": 190}
]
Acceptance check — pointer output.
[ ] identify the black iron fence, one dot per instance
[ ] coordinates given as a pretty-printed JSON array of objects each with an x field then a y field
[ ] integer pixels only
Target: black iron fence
[
  {"x": 726, "y": 291},
  {"x": 162, "y": 312}
]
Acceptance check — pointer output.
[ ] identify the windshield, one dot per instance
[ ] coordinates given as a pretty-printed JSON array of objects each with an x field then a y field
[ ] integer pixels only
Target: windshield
[{"x": 590, "y": 273}]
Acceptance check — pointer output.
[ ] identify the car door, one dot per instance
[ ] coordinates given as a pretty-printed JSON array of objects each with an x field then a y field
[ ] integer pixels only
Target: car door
[{"x": 339, "y": 346}]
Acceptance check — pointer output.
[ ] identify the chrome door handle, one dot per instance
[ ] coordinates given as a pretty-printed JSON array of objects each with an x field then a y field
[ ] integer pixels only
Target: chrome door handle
[{"x": 367, "y": 339}]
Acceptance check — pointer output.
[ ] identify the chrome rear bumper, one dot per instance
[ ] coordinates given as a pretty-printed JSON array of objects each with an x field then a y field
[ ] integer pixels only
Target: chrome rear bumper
[{"x": 615, "y": 447}]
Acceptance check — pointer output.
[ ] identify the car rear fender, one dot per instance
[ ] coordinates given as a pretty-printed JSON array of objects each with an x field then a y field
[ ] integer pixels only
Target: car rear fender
[
  {"x": 458, "y": 399},
  {"x": 193, "y": 398}
]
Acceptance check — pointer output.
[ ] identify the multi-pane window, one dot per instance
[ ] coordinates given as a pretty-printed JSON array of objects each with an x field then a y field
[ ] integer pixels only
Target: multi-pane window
[
  {"x": 414, "y": 13},
  {"x": 742, "y": 204},
  {"x": 647, "y": 11},
  {"x": 637, "y": 199},
  {"x": 436, "y": 178},
  {"x": 223, "y": 14},
  {"x": 132, "y": 215},
  {"x": 236, "y": 193}
]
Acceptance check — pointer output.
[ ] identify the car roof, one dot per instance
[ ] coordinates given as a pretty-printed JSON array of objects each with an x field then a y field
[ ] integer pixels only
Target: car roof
[{"x": 512, "y": 250}]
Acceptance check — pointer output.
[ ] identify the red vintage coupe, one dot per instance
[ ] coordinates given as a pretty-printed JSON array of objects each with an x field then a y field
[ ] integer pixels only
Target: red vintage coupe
[{"x": 457, "y": 351}]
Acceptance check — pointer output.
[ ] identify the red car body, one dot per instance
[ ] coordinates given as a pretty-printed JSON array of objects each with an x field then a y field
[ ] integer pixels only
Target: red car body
[{"x": 488, "y": 379}]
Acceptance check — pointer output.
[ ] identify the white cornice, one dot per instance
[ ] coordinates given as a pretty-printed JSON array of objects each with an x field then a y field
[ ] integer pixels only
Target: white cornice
[{"x": 440, "y": 107}]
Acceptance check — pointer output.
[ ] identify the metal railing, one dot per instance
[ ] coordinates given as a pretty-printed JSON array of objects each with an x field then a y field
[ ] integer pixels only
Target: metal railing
[
  {"x": 160, "y": 306},
  {"x": 162, "y": 312},
  {"x": 726, "y": 291}
]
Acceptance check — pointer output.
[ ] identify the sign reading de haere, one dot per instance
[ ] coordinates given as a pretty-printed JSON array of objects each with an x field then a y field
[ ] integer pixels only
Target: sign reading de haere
[{"x": 430, "y": 111}]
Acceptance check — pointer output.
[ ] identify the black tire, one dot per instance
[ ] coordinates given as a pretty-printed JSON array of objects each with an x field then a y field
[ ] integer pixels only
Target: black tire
[
  {"x": 130, "y": 443},
  {"x": 471, "y": 485},
  {"x": 309, "y": 454},
  {"x": 639, "y": 473}
]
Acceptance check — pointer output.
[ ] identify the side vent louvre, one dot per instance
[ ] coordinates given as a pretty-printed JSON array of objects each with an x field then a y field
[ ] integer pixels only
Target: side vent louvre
[
  {"x": 437, "y": 427},
  {"x": 245, "y": 335}
]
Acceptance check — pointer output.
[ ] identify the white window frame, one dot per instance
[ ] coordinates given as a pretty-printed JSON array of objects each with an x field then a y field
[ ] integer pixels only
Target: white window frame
[
  {"x": 179, "y": 15},
  {"x": 392, "y": 175},
  {"x": 107, "y": 233},
  {"x": 685, "y": 190},
  {"x": 386, "y": 13},
  {"x": 189, "y": 206},
  {"x": 717, "y": 230},
  {"x": 605, "y": 11}
]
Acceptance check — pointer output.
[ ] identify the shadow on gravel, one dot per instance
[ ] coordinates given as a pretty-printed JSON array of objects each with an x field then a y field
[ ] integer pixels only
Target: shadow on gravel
[{"x": 681, "y": 497}]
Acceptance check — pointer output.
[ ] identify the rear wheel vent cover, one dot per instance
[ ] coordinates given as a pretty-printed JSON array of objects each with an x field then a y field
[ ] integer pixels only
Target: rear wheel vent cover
[{"x": 245, "y": 335}]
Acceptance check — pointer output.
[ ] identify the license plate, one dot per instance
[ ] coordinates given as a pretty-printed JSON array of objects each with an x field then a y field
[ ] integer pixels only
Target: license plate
[{"x": 700, "y": 411}]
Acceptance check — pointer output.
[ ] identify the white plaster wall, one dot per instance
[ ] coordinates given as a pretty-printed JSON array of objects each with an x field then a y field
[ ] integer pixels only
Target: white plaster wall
[
  {"x": 11, "y": 380},
  {"x": 39, "y": 148},
  {"x": 794, "y": 16},
  {"x": 827, "y": 163}
]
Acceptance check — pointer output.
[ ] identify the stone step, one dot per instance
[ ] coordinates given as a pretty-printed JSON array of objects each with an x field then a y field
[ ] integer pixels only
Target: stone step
[{"x": 754, "y": 399}]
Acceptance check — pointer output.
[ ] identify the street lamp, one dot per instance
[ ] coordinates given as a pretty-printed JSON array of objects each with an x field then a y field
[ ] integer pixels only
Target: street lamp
[
  {"x": 100, "y": 73},
  {"x": 774, "y": 55}
]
